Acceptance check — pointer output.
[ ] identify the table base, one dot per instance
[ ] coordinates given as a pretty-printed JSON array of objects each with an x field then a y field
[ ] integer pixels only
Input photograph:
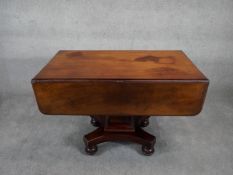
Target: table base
[{"x": 119, "y": 128}]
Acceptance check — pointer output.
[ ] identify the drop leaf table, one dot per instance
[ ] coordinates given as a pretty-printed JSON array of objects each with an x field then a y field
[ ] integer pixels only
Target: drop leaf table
[{"x": 120, "y": 90}]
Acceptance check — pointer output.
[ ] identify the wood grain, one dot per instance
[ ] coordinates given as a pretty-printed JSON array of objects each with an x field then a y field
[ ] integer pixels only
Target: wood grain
[
  {"x": 120, "y": 98},
  {"x": 120, "y": 83},
  {"x": 145, "y": 65}
]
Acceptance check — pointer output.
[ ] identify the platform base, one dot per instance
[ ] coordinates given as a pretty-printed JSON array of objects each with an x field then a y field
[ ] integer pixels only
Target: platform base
[{"x": 119, "y": 128}]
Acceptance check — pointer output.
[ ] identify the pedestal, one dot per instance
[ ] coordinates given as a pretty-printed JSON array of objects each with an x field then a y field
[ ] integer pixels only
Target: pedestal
[{"x": 119, "y": 128}]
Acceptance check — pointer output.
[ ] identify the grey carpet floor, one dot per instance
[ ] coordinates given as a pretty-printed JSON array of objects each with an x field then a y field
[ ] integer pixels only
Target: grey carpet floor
[{"x": 31, "y": 143}]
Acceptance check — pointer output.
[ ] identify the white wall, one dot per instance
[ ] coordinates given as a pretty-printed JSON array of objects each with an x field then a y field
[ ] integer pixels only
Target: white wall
[{"x": 31, "y": 32}]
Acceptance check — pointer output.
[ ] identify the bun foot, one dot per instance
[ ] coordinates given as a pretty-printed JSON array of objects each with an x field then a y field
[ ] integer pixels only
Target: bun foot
[
  {"x": 94, "y": 122},
  {"x": 147, "y": 150},
  {"x": 91, "y": 149}
]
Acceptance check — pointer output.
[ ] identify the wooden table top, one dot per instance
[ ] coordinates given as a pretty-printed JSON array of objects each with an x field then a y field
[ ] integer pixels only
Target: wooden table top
[{"x": 125, "y": 65}]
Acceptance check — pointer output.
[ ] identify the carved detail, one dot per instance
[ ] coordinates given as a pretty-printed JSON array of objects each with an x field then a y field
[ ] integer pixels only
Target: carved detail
[
  {"x": 94, "y": 122},
  {"x": 144, "y": 122},
  {"x": 120, "y": 128}
]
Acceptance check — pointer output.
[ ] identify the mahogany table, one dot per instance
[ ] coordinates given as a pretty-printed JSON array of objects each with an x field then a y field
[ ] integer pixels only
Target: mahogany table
[{"x": 120, "y": 90}]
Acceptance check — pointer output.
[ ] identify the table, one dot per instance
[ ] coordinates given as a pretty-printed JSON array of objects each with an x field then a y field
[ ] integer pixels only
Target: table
[{"x": 120, "y": 90}]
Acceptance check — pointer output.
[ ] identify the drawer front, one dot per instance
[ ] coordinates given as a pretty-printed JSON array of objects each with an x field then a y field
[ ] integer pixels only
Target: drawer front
[{"x": 120, "y": 97}]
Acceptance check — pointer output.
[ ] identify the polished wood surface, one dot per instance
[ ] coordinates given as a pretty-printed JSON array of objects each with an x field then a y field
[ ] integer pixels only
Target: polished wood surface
[
  {"x": 120, "y": 83},
  {"x": 120, "y": 90},
  {"x": 120, "y": 98},
  {"x": 130, "y": 65}
]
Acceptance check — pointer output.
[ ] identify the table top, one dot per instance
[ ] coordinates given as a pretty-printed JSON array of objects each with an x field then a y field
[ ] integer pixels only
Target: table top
[{"x": 120, "y": 65}]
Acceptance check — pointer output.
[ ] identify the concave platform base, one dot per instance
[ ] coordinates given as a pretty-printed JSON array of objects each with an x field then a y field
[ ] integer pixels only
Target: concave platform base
[{"x": 119, "y": 128}]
